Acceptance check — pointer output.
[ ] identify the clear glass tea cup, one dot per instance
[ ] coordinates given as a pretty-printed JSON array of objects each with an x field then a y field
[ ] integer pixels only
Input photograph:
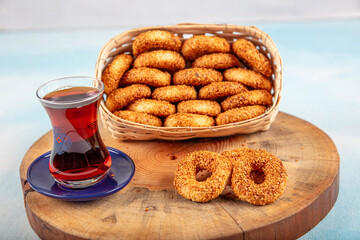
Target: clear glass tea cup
[{"x": 79, "y": 158}]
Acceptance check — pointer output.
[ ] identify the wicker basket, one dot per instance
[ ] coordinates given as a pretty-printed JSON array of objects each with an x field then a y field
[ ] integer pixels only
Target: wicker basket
[{"x": 125, "y": 130}]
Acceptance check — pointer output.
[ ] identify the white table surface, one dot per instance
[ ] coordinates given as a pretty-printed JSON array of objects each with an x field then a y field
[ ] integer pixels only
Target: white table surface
[{"x": 321, "y": 85}]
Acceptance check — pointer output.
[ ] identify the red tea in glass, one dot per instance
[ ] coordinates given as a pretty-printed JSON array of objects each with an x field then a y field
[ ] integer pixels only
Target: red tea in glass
[{"x": 79, "y": 157}]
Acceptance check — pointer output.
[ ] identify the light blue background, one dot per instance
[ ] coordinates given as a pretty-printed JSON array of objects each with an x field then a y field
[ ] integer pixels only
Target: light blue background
[{"x": 321, "y": 85}]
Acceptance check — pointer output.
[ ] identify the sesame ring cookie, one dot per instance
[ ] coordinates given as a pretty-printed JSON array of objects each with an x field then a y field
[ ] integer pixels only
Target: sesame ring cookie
[
  {"x": 156, "y": 39},
  {"x": 248, "y": 78},
  {"x": 217, "y": 61},
  {"x": 174, "y": 93},
  {"x": 149, "y": 76},
  {"x": 121, "y": 97},
  {"x": 252, "y": 57},
  {"x": 239, "y": 114},
  {"x": 185, "y": 175},
  {"x": 254, "y": 97},
  {"x": 204, "y": 107},
  {"x": 188, "y": 120},
  {"x": 219, "y": 90},
  {"x": 162, "y": 59},
  {"x": 139, "y": 117},
  {"x": 114, "y": 72},
  {"x": 199, "y": 45},
  {"x": 196, "y": 76},
  {"x": 153, "y": 107},
  {"x": 258, "y": 176}
]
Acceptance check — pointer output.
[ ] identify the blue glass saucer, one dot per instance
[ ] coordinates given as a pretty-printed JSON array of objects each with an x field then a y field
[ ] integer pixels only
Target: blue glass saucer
[{"x": 121, "y": 172}]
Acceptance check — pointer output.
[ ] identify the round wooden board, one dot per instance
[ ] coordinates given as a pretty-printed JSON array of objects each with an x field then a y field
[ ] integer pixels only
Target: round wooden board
[{"x": 150, "y": 208}]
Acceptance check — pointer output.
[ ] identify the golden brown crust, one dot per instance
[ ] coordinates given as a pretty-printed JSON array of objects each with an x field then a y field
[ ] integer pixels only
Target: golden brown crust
[
  {"x": 199, "y": 45},
  {"x": 175, "y": 93},
  {"x": 139, "y": 117},
  {"x": 153, "y": 107},
  {"x": 188, "y": 120},
  {"x": 217, "y": 61},
  {"x": 114, "y": 71},
  {"x": 239, "y": 114},
  {"x": 258, "y": 177},
  {"x": 252, "y": 57},
  {"x": 156, "y": 39},
  {"x": 196, "y": 76},
  {"x": 121, "y": 97},
  {"x": 218, "y": 90},
  {"x": 163, "y": 59},
  {"x": 204, "y": 107},
  {"x": 149, "y": 76},
  {"x": 254, "y": 97},
  {"x": 185, "y": 176},
  {"x": 248, "y": 78}
]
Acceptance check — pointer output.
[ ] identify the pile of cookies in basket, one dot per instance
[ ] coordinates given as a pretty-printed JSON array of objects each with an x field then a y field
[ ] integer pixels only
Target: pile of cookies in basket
[{"x": 202, "y": 81}]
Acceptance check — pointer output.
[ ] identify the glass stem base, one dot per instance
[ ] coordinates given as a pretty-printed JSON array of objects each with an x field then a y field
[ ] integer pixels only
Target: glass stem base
[{"x": 82, "y": 183}]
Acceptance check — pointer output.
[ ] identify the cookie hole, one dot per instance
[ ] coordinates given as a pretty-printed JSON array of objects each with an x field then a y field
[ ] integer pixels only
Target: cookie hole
[
  {"x": 257, "y": 175},
  {"x": 202, "y": 175},
  {"x": 173, "y": 157},
  {"x": 187, "y": 36}
]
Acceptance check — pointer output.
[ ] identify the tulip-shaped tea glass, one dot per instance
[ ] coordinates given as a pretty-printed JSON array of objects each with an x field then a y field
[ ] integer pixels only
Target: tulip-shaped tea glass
[{"x": 79, "y": 157}]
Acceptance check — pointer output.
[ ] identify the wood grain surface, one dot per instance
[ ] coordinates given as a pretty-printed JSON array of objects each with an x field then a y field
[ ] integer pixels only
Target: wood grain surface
[{"x": 150, "y": 208}]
